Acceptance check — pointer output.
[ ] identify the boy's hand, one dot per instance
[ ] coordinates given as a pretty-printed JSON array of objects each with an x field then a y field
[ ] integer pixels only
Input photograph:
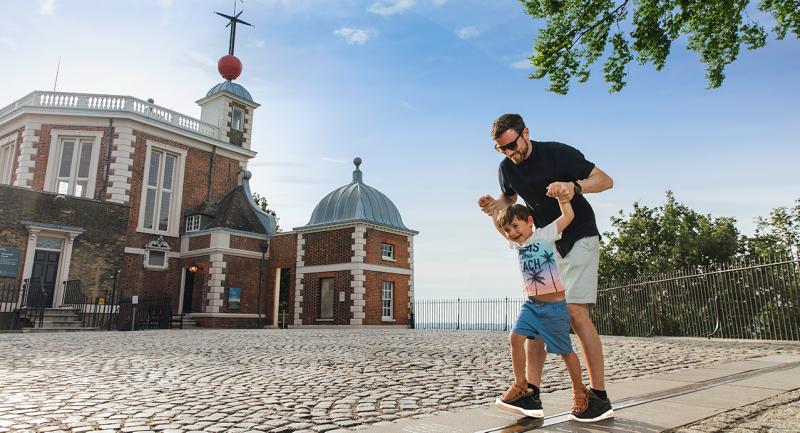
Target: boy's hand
[{"x": 561, "y": 190}]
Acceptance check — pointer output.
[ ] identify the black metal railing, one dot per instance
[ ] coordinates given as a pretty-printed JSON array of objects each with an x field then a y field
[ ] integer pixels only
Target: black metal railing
[
  {"x": 150, "y": 312},
  {"x": 95, "y": 312},
  {"x": 750, "y": 299},
  {"x": 9, "y": 301},
  {"x": 753, "y": 299},
  {"x": 496, "y": 314},
  {"x": 34, "y": 301}
]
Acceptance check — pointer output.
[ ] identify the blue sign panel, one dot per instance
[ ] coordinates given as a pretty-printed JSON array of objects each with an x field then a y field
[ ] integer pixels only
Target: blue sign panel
[
  {"x": 9, "y": 262},
  {"x": 234, "y": 298}
]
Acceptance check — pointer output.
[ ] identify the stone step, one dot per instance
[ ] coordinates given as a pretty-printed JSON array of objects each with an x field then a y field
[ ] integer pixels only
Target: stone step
[
  {"x": 40, "y": 330},
  {"x": 62, "y": 323}
]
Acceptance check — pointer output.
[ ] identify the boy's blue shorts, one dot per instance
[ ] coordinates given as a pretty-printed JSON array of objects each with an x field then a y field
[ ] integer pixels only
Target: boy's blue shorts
[{"x": 548, "y": 321}]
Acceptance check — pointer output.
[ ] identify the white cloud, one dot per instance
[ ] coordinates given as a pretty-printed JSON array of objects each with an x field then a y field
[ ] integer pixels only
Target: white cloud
[
  {"x": 468, "y": 32},
  {"x": 166, "y": 4},
  {"x": 259, "y": 43},
  {"x": 522, "y": 64},
  {"x": 47, "y": 7},
  {"x": 354, "y": 36},
  {"x": 390, "y": 7},
  {"x": 439, "y": 2}
]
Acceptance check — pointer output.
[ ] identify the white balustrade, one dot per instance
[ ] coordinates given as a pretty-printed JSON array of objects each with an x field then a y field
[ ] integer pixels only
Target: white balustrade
[{"x": 82, "y": 101}]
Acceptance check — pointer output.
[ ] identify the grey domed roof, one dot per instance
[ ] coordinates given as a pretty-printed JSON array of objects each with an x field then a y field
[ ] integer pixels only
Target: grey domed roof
[
  {"x": 354, "y": 202},
  {"x": 230, "y": 87}
]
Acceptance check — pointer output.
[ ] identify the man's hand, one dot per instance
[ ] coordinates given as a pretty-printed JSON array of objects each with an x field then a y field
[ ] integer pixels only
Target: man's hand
[
  {"x": 487, "y": 204},
  {"x": 561, "y": 190}
]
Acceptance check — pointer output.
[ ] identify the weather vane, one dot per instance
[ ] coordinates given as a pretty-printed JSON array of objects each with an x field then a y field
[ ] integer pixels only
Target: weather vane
[
  {"x": 229, "y": 66},
  {"x": 233, "y": 20}
]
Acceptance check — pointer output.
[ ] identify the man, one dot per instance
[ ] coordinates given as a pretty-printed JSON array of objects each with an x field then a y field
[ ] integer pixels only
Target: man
[{"x": 529, "y": 170}]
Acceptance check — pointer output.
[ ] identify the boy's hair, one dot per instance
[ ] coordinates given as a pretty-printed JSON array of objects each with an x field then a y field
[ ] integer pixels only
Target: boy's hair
[
  {"x": 509, "y": 214},
  {"x": 506, "y": 122}
]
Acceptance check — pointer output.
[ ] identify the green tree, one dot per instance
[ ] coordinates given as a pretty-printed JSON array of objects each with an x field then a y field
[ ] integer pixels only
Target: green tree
[
  {"x": 261, "y": 201},
  {"x": 576, "y": 34},
  {"x": 778, "y": 234},
  {"x": 661, "y": 239}
]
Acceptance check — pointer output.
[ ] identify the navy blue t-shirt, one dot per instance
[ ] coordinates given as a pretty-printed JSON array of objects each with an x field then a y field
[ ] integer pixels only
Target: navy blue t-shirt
[{"x": 551, "y": 162}]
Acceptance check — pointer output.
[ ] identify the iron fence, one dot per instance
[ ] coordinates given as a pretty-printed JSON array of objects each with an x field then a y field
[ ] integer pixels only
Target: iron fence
[
  {"x": 753, "y": 299},
  {"x": 9, "y": 298},
  {"x": 34, "y": 301},
  {"x": 95, "y": 312},
  {"x": 151, "y": 312}
]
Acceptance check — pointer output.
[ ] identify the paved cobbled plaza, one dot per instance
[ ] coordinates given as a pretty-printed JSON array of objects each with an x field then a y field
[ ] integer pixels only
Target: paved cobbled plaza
[{"x": 287, "y": 380}]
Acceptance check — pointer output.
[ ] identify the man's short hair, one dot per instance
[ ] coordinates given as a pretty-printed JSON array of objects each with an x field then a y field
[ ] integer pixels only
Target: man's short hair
[
  {"x": 506, "y": 122},
  {"x": 515, "y": 211}
]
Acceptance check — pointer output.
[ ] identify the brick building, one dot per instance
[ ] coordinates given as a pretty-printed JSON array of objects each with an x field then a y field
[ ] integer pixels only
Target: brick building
[
  {"x": 106, "y": 188},
  {"x": 352, "y": 264}
]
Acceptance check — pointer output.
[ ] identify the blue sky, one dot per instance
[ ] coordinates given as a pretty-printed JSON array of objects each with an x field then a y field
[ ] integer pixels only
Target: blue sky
[{"x": 412, "y": 87}]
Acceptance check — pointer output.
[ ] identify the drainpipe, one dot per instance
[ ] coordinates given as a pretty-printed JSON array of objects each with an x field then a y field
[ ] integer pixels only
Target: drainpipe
[
  {"x": 211, "y": 169},
  {"x": 107, "y": 167}
]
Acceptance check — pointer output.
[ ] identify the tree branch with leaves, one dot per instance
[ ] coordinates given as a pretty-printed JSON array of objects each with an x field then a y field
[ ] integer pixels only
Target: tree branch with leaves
[{"x": 577, "y": 34}]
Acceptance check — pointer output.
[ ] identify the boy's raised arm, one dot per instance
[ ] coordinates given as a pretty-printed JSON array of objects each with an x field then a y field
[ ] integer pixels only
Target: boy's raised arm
[
  {"x": 482, "y": 202},
  {"x": 566, "y": 214}
]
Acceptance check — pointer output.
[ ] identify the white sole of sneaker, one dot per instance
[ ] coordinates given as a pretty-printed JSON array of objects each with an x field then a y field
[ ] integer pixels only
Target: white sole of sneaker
[
  {"x": 505, "y": 407},
  {"x": 608, "y": 414}
]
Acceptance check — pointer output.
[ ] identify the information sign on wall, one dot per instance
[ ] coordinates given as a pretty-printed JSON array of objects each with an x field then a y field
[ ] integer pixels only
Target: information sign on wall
[{"x": 9, "y": 262}]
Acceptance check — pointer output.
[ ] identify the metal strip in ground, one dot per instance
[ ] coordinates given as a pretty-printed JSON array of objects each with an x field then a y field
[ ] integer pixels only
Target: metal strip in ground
[{"x": 528, "y": 424}]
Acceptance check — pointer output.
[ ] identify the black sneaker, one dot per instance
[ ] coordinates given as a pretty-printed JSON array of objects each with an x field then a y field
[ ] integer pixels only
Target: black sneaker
[
  {"x": 528, "y": 405},
  {"x": 597, "y": 409}
]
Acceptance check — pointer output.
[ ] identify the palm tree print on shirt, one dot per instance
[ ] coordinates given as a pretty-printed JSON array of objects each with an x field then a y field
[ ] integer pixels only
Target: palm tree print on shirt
[
  {"x": 536, "y": 278},
  {"x": 549, "y": 259}
]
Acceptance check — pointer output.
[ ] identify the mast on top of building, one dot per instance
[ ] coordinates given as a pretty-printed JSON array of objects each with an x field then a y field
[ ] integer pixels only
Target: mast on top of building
[{"x": 230, "y": 66}]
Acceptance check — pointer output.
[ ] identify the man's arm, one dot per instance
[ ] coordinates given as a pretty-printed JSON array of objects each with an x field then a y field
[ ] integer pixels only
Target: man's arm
[{"x": 597, "y": 181}]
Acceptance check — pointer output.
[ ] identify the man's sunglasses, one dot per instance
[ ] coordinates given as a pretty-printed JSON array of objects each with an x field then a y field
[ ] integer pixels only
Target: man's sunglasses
[{"x": 510, "y": 146}]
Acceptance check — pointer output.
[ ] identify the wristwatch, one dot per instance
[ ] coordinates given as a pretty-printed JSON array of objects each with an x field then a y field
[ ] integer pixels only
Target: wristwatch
[{"x": 578, "y": 188}]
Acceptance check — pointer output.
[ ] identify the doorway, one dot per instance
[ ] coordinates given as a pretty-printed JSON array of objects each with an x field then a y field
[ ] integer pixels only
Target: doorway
[
  {"x": 45, "y": 268},
  {"x": 284, "y": 283},
  {"x": 188, "y": 291}
]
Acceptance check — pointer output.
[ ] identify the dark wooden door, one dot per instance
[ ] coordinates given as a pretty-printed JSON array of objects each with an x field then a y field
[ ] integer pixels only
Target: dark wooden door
[
  {"x": 188, "y": 291},
  {"x": 45, "y": 267}
]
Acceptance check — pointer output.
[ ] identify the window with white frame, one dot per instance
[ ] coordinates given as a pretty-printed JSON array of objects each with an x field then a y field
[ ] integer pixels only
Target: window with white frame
[
  {"x": 237, "y": 119},
  {"x": 387, "y": 251},
  {"x": 155, "y": 254},
  {"x": 387, "y": 300},
  {"x": 159, "y": 190},
  {"x": 326, "y": 288},
  {"x": 193, "y": 223},
  {"x": 7, "y": 161},
  {"x": 74, "y": 167}
]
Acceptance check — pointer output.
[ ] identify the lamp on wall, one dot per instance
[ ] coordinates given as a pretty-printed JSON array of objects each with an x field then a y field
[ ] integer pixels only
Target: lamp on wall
[{"x": 193, "y": 268}]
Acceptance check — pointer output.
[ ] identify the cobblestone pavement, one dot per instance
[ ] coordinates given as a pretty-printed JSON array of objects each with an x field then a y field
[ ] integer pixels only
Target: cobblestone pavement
[
  {"x": 287, "y": 380},
  {"x": 779, "y": 414}
]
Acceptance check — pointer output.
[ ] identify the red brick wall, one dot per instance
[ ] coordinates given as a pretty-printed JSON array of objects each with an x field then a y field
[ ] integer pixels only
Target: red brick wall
[
  {"x": 245, "y": 243},
  {"x": 311, "y": 298},
  {"x": 377, "y": 237},
  {"x": 328, "y": 247},
  {"x": 242, "y": 272},
  {"x": 43, "y": 153},
  {"x": 199, "y": 242},
  {"x": 18, "y": 133},
  {"x": 136, "y": 280},
  {"x": 373, "y": 286},
  {"x": 195, "y": 181}
]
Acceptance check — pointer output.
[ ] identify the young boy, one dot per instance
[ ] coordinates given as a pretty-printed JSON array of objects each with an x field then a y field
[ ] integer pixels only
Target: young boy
[{"x": 544, "y": 315}]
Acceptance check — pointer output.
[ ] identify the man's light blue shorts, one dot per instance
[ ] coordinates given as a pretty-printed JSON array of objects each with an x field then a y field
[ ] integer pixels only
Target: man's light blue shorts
[{"x": 548, "y": 321}]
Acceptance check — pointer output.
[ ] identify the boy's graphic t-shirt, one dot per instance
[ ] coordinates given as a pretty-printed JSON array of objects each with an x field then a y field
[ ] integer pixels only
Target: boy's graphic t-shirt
[{"x": 537, "y": 261}]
